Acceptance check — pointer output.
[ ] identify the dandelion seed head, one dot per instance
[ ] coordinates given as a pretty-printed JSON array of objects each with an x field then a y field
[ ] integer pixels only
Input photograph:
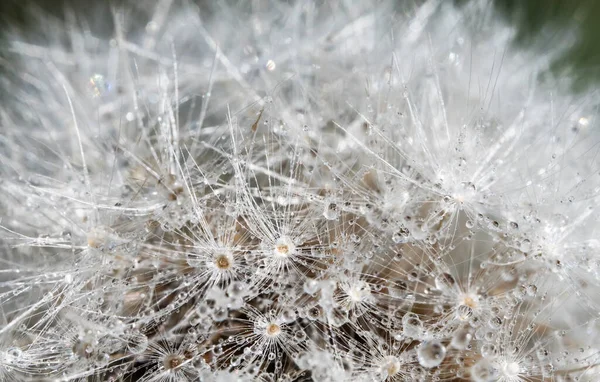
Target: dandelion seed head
[
  {"x": 390, "y": 366},
  {"x": 284, "y": 247},
  {"x": 273, "y": 330},
  {"x": 511, "y": 370},
  {"x": 172, "y": 362},
  {"x": 470, "y": 301},
  {"x": 223, "y": 261},
  {"x": 218, "y": 192},
  {"x": 359, "y": 291}
]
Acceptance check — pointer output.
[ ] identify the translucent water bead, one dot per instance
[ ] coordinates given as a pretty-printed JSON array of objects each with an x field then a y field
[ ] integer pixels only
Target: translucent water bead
[{"x": 431, "y": 353}]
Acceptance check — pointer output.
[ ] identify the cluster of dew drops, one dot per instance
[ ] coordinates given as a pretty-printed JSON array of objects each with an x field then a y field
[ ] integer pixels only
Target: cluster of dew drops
[
  {"x": 280, "y": 247},
  {"x": 269, "y": 261}
]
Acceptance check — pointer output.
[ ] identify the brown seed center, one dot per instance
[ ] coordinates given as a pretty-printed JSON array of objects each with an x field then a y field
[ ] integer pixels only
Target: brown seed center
[
  {"x": 470, "y": 302},
  {"x": 173, "y": 361},
  {"x": 273, "y": 329},
  {"x": 223, "y": 262},
  {"x": 283, "y": 249}
]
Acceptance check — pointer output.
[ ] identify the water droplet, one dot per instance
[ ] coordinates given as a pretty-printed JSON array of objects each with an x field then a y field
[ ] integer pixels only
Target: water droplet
[
  {"x": 431, "y": 353},
  {"x": 152, "y": 27},
  {"x": 355, "y": 238},
  {"x": 401, "y": 236},
  {"x": 236, "y": 289},
  {"x": 461, "y": 338},
  {"x": 444, "y": 282},
  {"x": 313, "y": 313},
  {"x": 331, "y": 211},
  {"x": 542, "y": 353},
  {"x": 138, "y": 343},
  {"x": 488, "y": 350},
  {"x": 220, "y": 314},
  {"x": 13, "y": 354},
  {"x": 99, "y": 85},
  {"x": 495, "y": 322},
  {"x": 288, "y": 315},
  {"x": 531, "y": 290},
  {"x": 526, "y": 245},
  {"x": 484, "y": 371},
  {"x": 412, "y": 325},
  {"x": 311, "y": 286},
  {"x": 464, "y": 312},
  {"x": 299, "y": 335}
]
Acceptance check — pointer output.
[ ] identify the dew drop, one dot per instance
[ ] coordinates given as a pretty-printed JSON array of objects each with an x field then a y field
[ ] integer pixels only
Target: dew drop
[
  {"x": 270, "y": 65},
  {"x": 488, "y": 350},
  {"x": 401, "y": 236},
  {"x": 236, "y": 289},
  {"x": 13, "y": 354},
  {"x": 220, "y": 314},
  {"x": 526, "y": 245},
  {"x": 460, "y": 339},
  {"x": 484, "y": 371},
  {"x": 311, "y": 286},
  {"x": 444, "y": 282},
  {"x": 464, "y": 312},
  {"x": 331, "y": 211},
  {"x": 431, "y": 354},
  {"x": 495, "y": 322},
  {"x": 99, "y": 85},
  {"x": 138, "y": 343},
  {"x": 288, "y": 315},
  {"x": 531, "y": 290},
  {"x": 412, "y": 325}
]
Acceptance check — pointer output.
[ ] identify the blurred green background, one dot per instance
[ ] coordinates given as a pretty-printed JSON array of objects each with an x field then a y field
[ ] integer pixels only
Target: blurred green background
[
  {"x": 536, "y": 20},
  {"x": 548, "y": 17}
]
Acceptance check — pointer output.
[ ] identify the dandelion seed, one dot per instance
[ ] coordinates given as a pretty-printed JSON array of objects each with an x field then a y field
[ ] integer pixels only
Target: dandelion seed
[{"x": 284, "y": 247}]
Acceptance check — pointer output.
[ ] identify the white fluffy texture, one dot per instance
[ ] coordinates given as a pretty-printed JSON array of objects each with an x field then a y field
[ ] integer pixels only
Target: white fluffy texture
[{"x": 284, "y": 191}]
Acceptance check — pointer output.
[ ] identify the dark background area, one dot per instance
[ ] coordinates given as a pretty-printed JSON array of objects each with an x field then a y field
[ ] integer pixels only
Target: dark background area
[{"x": 534, "y": 19}]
